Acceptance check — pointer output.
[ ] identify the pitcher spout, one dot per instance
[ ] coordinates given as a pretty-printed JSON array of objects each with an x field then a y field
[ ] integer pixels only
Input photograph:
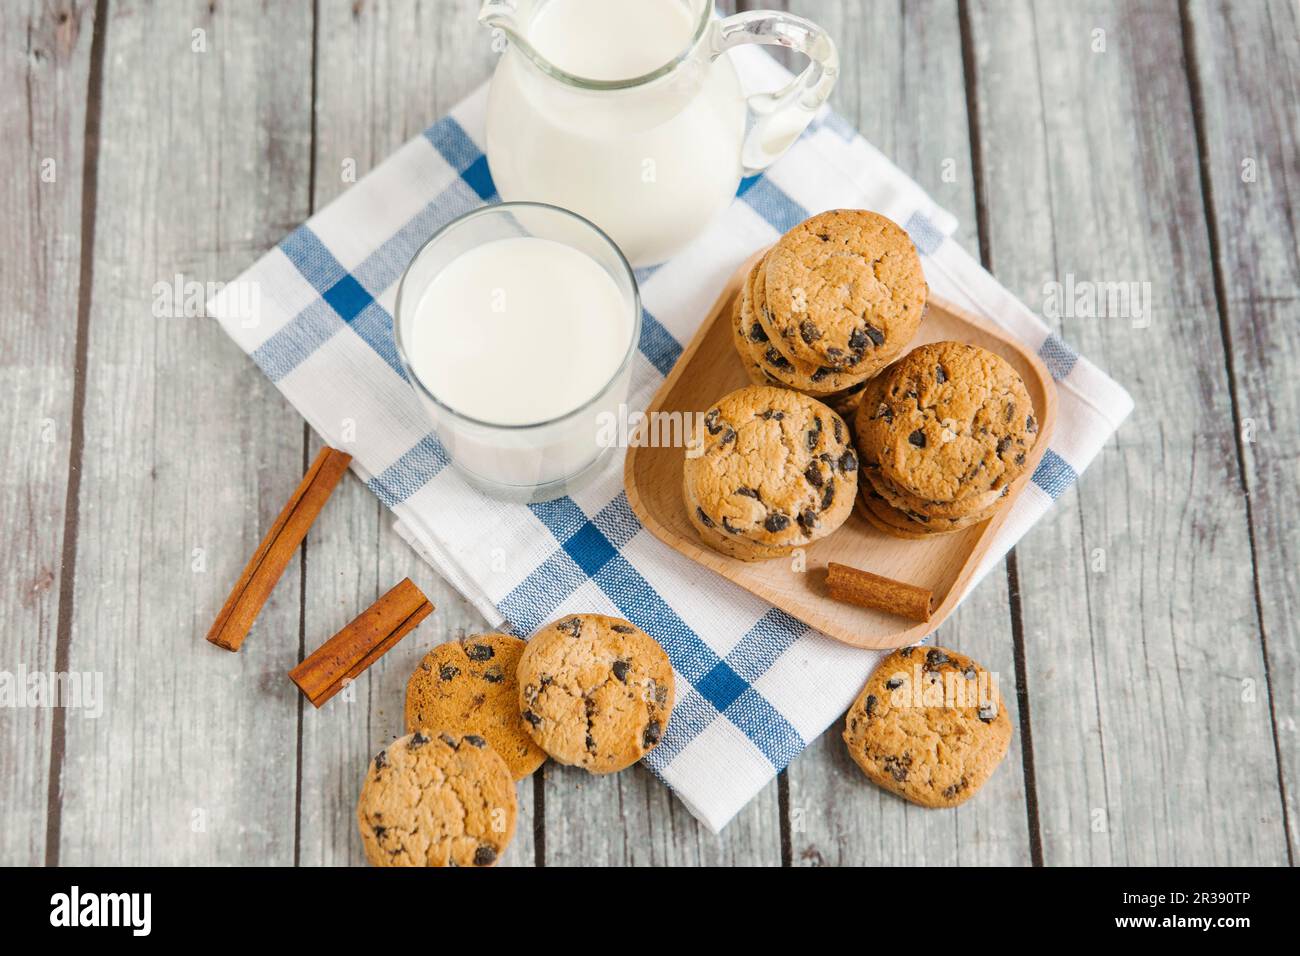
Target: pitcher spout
[{"x": 501, "y": 15}]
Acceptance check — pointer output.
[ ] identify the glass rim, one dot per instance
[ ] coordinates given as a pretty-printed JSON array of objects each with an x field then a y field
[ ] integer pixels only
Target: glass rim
[
  {"x": 498, "y": 209},
  {"x": 594, "y": 85}
]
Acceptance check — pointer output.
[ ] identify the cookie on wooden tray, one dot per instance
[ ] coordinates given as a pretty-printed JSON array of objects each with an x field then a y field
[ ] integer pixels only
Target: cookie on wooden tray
[
  {"x": 843, "y": 289},
  {"x": 912, "y": 504},
  {"x": 469, "y": 687},
  {"x": 437, "y": 800},
  {"x": 753, "y": 367},
  {"x": 776, "y": 470},
  {"x": 595, "y": 691},
  {"x": 861, "y": 507},
  {"x": 818, "y": 380},
  {"x": 910, "y": 524},
  {"x": 734, "y": 546},
  {"x": 846, "y": 403},
  {"x": 945, "y": 430},
  {"x": 930, "y": 726}
]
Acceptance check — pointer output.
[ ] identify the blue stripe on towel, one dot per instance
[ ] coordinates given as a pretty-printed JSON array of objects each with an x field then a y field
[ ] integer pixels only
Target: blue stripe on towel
[
  {"x": 1054, "y": 474},
  {"x": 419, "y": 465},
  {"x": 1057, "y": 356}
]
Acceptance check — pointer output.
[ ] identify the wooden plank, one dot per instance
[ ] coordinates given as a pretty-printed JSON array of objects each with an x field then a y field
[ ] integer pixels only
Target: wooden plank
[
  {"x": 1247, "y": 77},
  {"x": 46, "y": 54},
  {"x": 903, "y": 87},
  {"x": 1137, "y": 597},
  {"x": 631, "y": 819},
  {"x": 384, "y": 73},
  {"x": 189, "y": 451}
]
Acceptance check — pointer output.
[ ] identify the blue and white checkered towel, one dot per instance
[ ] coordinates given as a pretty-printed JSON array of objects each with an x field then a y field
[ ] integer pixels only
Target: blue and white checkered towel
[{"x": 754, "y": 685}]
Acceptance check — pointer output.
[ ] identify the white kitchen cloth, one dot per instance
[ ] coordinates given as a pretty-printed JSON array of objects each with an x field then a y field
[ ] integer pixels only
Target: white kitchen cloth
[{"x": 754, "y": 686}]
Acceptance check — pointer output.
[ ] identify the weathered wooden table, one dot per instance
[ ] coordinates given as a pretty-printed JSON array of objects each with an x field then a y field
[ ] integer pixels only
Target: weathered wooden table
[{"x": 1150, "y": 624}]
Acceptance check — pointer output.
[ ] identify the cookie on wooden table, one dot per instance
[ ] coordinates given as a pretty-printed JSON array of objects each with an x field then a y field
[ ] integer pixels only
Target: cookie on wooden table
[
  {"x": 437, "y": 800},
  {"x": 776, "y": 470},
  {"x": 469, "y": 687},
  {"x": 595, "y": 692},
  {"x": 945, "y": 430},
  {"x": 930, "y": 726},
  {"x": 843, "y": 289}
]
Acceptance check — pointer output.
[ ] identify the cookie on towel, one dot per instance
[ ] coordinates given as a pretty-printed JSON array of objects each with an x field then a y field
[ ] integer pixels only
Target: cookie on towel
[
  {"x": 436, "y": 800},
  {"x": 595, "y": 691},
  {"x": 930, "y": 726},
  {"x": 469, "y": 687}
]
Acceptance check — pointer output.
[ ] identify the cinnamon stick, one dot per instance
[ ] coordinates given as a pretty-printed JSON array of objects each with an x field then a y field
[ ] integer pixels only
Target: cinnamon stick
[
  {"x": 349, "y": 652},
  {"x": 277, "y": 549},
  {"x": 882, "y": 594}
]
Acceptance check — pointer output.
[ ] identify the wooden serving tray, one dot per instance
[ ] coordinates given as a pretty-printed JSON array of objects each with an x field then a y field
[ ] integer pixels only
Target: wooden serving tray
[{"x": 709, "y": 369}]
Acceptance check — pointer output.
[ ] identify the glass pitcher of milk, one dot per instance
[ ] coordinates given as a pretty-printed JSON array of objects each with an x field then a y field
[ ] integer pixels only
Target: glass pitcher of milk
[{"x": 629, "y": 113}]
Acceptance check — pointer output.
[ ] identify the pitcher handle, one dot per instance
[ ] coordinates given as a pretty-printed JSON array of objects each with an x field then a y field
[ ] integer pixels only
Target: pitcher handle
[{"x": 777, "y": 119}]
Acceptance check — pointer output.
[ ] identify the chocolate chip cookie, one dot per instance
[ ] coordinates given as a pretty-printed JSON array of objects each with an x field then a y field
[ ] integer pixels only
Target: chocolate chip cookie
[
  {"x": 843, "y": 289},
  {"x": 862, "y": 507},
  {"x": 595, "y": 691},
  {"x": 731, "y": 545},
  {"x": 910, "y": 524},
  {"x": 901, "y": 500},
  {"x": 776, "y": 470},
  {"x": 929, "y": 726},
  {"x": 436, "y": 800},
  {"x": 946, "y": 429},
  {"x": 469, "y": 687},
  {"x": 754, "y": 345}
]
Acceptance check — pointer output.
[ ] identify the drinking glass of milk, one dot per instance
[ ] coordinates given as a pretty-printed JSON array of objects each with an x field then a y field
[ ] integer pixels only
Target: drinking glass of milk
[
  {"x": 516, "y": 324},
  {"x": 630, "y": 113}
]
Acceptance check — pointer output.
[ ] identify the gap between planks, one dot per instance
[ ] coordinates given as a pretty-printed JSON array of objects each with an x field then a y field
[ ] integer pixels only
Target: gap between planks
[
  {"x": 969, "y": 72},
  {"x": 77, "y": 435}
]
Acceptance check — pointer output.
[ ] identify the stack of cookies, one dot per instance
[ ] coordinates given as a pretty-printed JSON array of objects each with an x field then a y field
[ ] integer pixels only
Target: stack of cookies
[
  {"x": 481, "y": 713},
  {"x": 943, "y": 433},
  {"x": 775, "y": 472},
  {"x": 832, "y": 303}
]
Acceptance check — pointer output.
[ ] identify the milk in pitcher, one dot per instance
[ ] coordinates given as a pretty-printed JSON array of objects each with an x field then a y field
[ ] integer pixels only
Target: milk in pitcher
[{"x": 650, "y": 164}]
